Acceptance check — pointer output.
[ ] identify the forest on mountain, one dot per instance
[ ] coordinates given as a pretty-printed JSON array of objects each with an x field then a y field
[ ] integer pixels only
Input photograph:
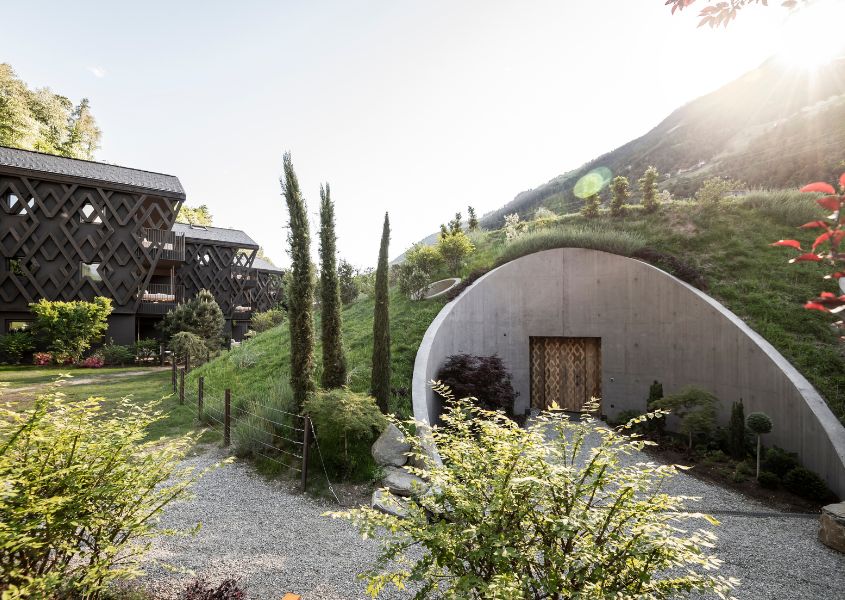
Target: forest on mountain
[
  {"x": 41, "y": 120},
  {"x": 774, "y": 127}
]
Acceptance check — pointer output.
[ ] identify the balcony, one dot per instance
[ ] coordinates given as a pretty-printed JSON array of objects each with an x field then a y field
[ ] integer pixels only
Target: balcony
[
  {"x": 172, "y": 245},
  {"x": 159, "y": 298}
]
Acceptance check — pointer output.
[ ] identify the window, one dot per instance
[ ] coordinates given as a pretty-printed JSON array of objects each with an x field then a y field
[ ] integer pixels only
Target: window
[
  {"x": 91, "y": 271},
  {"x": 15, "y": 206},
  {"x": 204, "y": 259},
  {"x": 88, "y": 214},
  {"x": 13, "y": 326}
]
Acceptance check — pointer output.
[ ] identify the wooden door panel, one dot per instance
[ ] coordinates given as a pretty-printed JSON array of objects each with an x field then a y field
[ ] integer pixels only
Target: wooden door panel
[{"x": 565, "y": 371}]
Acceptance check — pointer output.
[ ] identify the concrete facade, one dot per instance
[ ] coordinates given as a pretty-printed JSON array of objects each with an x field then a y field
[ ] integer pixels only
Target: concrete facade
[{"x": 651, "y": 325}]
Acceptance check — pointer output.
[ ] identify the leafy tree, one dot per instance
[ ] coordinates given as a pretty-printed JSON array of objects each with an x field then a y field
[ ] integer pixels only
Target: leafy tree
[
  {"x": 199, "y": 215},
  {"x": 17, "y": 125},
  {"x": 83, "y": 137},
  {"x": 515, "y": 512},
  {"x": 455, "y": 225},
  {"x": 620, "y": 191},
  {"x": 648, "y": 187},
  {"x": 349, "y": 287},
  {"x": 443, "y": 229},
  {"x": 50, "y": 112},
  {"x": 71, "y": 327},
  {"x": 416, "y": 271},
  {"x": 454, "y": 248},
  {"x": 736, "y": 431},
  {"x": 695, "y": 407},
  {"x": 334, "y": 359},
  {"x": 301, "y": 288},
  {"x": 381, "y": 372},
  {"x": 713, "y": 190},
  {"x": 591, "y": 206},
  {"x": 472, "y": 223},
  {"x": 759, "y": 423},
  {"x": 82, "y": 493},
  {"x": 201, "y": 315},
  {"x": 725, "y": 11}
]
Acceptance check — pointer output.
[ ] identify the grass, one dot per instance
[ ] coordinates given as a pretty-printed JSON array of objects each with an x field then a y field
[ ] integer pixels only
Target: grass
[{"x": 17, "y": 376}]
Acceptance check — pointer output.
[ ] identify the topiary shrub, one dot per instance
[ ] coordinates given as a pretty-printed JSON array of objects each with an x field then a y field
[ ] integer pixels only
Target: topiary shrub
[
  {"x": 346, "y": 424},
  {"x": 806, "y": 484},
  {"x": 779, "y": 461},
  {"x": 14, "y": 345},
  {"x": 185, "y": 343},
  {"x": 759, "y": 423},
  {"x": 116, "y": 355},
  {"x": 484, "y": 378},
  {"x": 768, "y": 480}
]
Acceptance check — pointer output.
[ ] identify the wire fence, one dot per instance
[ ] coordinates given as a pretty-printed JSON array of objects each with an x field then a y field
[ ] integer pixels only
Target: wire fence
[{"x": 281, "y": 437}]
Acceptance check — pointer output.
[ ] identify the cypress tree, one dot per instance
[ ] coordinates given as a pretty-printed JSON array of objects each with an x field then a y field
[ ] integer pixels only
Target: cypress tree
[
  {"x": 648, "y": 185},
  {"x": 300, "y": 294},
  {"x": 334, "y": 361},
  {"x": 620, "y": 191},
  {"x": 381, "y": 326}
]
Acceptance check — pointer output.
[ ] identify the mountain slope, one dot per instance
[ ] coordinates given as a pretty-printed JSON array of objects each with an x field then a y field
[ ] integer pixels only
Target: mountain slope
[{"x": 774, "y": 127}]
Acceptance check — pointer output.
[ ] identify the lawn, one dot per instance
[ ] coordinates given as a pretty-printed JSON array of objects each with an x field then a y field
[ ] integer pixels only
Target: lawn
[{"x": 18, "y": 376}]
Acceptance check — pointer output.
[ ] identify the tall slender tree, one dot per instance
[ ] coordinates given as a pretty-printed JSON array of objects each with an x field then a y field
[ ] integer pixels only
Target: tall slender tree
[
  {"x": 648, "y": 185},
  {"x": 620, "y": 192},
  {"x": 300, "y": 293},
  {"x": 381, "y": 325},
  {"x": 473, "y": 219},
  {"x": 334, "y": 360}
]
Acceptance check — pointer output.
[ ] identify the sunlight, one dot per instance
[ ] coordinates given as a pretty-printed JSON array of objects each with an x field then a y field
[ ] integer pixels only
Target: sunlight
[{"x": 811, "y": 36}]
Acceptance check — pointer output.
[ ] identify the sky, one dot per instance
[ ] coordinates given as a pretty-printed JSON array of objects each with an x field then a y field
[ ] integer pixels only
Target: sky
[{"x": 419, "y": 108}]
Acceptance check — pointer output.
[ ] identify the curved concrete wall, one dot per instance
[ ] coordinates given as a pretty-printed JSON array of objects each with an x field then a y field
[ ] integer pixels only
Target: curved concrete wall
[{"x": 651, "y": 325}]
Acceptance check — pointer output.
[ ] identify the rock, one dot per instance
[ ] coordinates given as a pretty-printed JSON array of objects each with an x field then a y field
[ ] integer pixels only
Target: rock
[
  {"x": 402, "y": 483},
  {"x": 389, "y": 504},
  {"x": 832, "y": 526},
  {"x": 390, "y": 447}
]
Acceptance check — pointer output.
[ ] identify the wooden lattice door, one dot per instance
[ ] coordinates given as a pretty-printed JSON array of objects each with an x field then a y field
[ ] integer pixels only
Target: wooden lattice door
[{"x": 565, "y": 371}]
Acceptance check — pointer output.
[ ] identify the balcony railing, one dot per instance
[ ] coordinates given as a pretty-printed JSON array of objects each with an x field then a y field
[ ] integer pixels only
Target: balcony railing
[
  {"x": 247, "y": 277},
  {"x": 172, "y": 244},
  {"x": 158, "y": 298}
]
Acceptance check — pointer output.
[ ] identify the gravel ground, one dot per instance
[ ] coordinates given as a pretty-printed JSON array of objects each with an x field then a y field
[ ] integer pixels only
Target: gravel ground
[{"x": 276, "y": 540}]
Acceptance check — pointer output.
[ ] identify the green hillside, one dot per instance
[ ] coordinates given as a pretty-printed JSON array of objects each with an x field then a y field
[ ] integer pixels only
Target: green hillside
[{"x": 724, "y": 250}]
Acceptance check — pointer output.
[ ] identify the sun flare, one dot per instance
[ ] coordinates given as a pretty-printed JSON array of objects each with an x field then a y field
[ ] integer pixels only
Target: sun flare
[{"x": 812, "y": 37}]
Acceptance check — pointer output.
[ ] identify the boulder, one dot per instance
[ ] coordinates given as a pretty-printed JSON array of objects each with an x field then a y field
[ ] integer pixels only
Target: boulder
[
  {"x": 389, "y": 504},
  {"x": 402, "y": 483},
  {"x": 390, "y": 448},
  {"x": 832, "y": 526}
]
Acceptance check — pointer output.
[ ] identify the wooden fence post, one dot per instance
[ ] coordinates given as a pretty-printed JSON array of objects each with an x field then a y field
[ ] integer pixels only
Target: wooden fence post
[
  {"x": 173, "y": 371},
  {"x": 306, "y": 441},
  {"x": 181, "y": 386},
  {"x": 227, "y": 417},
  {"x": 188, "y": 362},
  {"x": 200, "y": 392},
  {"x": 161, "y": 355}
]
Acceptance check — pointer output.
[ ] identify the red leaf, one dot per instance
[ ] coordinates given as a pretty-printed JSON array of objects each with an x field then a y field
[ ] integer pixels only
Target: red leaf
[
  {"x": 819, "y": 186},
  {"x": 789, "y": 243},
  {"x": 815, "y": 306},
  {"x": 827, "y": 295},
  {"x": 814, "y": 225},
  {"x": 830, "y": 202},
  {"x": 821, "y": 240},
  {"x": 808, "y": 257},
  {"x": 842, "y": 180}
]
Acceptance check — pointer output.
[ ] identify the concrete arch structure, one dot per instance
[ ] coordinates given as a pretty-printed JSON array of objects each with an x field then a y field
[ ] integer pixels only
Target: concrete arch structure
[{"x": 651, "y": 325}]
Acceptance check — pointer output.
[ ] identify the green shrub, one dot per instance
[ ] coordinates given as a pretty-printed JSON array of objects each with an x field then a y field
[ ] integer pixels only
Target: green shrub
[
  {"x": 114, "y": 354},
  {"x": 262, "y": 321},
  {"x": 80, "y": 490},
  {"x": 713, "y": 190},
  {"x": 349, "y": 287},
  {"x": 14, "y": 345},
  {"x": 595, "y": 237},
  {"x": 627, "y": 415},
  {"x": 185, "y": 344},
  {"x": 779, "y": 461},
  {"x": 498, "y": 522},
  {"x": 454, "y": 248},
  {"x": 803, "y": 482},
  {"x": 483, "y": 378},
  {"x": 201, "y": 315},
  {"x": 768, "y": 480},
  {"x": 417, "y": 270},
  {"x": 346, "y": 425},
  {"x": 147, "y": 350},
  {"x": 696, "y": 408},
  {"x": 71, "y": 327}
]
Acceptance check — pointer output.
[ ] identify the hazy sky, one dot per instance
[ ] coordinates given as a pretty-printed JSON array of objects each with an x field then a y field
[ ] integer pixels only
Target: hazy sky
[{"x": 419, "y": 108}]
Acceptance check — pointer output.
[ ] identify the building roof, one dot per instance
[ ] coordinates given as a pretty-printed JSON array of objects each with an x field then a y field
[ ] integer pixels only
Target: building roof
[
  {"x": 265, "y": 265},
  {"x": 235, "y": 237},
  {"x": 87, "y": 169}
]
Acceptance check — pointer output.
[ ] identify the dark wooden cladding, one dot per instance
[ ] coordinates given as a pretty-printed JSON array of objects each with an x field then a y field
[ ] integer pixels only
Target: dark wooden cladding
[
  {"x": 267, "y": 292},
  {"x": 222, "y": 269},
  {"x": 50, "y": 229}
]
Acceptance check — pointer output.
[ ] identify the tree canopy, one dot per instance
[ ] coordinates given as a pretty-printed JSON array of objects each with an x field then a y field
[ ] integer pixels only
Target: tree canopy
[
  {"x": 44, "y": 121},
  {"x": 723, "y": 12},
  {"x": 199, "y": 215}
]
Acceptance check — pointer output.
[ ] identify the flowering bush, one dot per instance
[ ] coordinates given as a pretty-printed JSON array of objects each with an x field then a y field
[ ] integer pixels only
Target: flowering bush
[
  {"x": 95, "y": 361},
  {"x": 42, "y": 359}
]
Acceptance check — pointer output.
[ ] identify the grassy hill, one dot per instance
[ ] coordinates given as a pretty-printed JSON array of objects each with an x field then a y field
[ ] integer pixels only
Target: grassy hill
[
  {"x": 774, "y": 127},
  {"x": 723, "y": 250}
]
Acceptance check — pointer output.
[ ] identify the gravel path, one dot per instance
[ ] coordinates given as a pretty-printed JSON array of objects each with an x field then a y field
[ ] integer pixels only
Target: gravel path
[{"x": 276, "y": 540}]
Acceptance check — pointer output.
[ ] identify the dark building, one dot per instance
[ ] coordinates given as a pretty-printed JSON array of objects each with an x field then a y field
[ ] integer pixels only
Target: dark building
[{"x": 74, "y": 229}]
